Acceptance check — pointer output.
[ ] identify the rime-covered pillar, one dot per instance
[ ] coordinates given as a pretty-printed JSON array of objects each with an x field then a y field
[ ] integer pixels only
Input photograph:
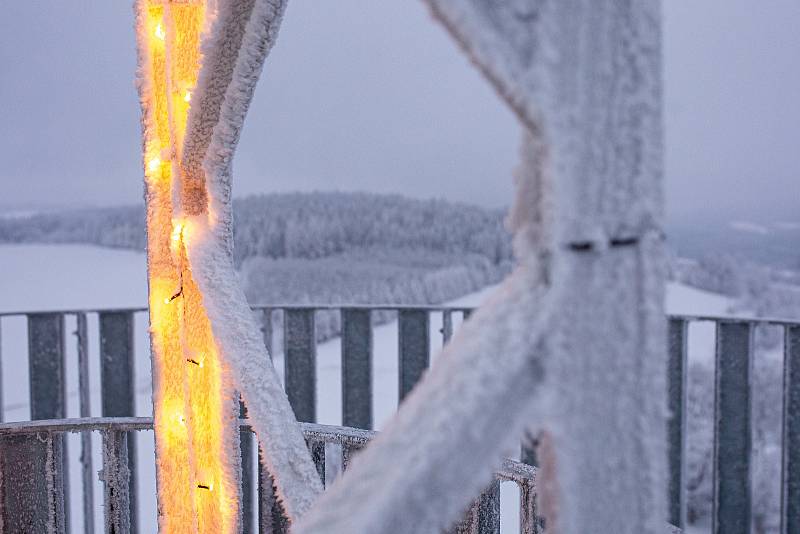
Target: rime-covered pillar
[
  {"x": 194, "y": 406},
  {"x": 573, "y": 342},
  {"x": 604, "y": 469},
  {"x": 198, "y": 65},
  {"x": 235, "y": 49}
]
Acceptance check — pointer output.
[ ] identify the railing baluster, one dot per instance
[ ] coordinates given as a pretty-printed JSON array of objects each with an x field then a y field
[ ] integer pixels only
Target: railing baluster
[
  {"x": 489, "y": 510},
  {"x": 790, "y": 504},
  {"x": 414, "y": 347},
  {"x": 32, "y": 484},
  {"x": 317, "y": 450},
  {"x": 118, "y": 385},
  {"x": 271, "y": 516},
  {"x": 528, "y": 516},
  {"x": 483, "y": 515},
  {"x": 447, "y": 326},
  {"x": 732, "y": 431},
  {"x": 266, "y": 329},
  {"x": 300, "y": 362},
  {"x": 46, "y": 365},
  {"x": 246, "y": 451},
  {"x": 47, "y": 381},
  {"x": 87, "y": 470},
  {"x": 116, "y": 482},
  {"x": 676, "y": 424},
  {"x": 357, "y": 368}
]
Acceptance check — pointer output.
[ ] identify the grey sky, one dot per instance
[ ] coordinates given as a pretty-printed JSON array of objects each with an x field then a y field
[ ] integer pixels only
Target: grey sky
[{"x": 372, "y": 95}]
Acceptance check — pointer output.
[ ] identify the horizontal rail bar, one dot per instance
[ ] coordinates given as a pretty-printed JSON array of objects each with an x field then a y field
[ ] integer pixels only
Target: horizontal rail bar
[
  {"x": 773, "y": 321},
  {"x": 510, "y": 470}
]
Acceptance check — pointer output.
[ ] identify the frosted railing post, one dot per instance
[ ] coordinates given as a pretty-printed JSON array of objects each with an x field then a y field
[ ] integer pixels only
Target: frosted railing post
[
  {"x": 676, "y": 429},
  {"x": 357, "y": 368},
  {"x": 732, "y": 512},
  {"x": 32, "y": 484},
  {"x": 46, "y": 352},
  {"x": 117, "y": 383},
  {"x": 87, "y": 469},
  {"x": 790, "y": 483},
  {"x": 300, "y": 362},
  {"x": 413, "y": 331},
  {"x": 116, "y": 482}
]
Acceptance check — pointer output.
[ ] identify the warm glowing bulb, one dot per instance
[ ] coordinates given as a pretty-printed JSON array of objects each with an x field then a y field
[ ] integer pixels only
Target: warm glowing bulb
[
  {"x": 166, "y": 301},
  {"x": 160, "y": 32},
  {"x": 187, "y": 97},
  {"x": 177, "y": 232},
  {"x": 153, "y": 164}
]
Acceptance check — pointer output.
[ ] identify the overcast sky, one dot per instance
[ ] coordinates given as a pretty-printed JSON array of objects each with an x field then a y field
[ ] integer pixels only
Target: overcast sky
[{"x": 373, "y": 95}]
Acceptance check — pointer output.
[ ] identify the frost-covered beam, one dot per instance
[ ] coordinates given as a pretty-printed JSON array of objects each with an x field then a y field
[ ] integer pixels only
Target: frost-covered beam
[
  {"x": 204, "y": 340},
  {"x": 239, "y": 41},
  {"x": 573, "y": 342}
]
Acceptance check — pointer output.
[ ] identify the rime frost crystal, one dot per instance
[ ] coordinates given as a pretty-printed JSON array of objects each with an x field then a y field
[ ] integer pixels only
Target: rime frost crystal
[{"x": 573, "y": 343}]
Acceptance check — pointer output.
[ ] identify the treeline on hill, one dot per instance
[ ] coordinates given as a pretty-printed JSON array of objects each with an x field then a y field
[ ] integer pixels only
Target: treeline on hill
[
  {"x": 324, "y": 247},
  {"x": 296, "y": 225}
]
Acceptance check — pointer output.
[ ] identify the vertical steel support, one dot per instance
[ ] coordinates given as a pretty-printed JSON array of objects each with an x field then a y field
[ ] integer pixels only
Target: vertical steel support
[
  {"x": 271, "y": 515},
  {"x": 489, "y": 510},
  {"x": 266, "y": 329},
  {"x": 271, "y": 518},
  {"x": 32, "y": 484},
  {"x": 47, "y": 381},
  {"x": 46, "y": 365},
  {"x": 483, "y": 515},
  {"x": 87, "y": 469},
  {"x": 676, "y": 422},
  {"x": 317, "y": 449},
  {"x": 300, "y": 362},
  {"x": 414, "y": 347},
  {"x": 118, "y": 385},
  {"x": 790, "y": 504},
  {"x": 732, "y": 430},
  {"x": 246, "y": 451},
  {"x": 357, "y": 368},
  {"x": 116, "y": 482},
  {"x": 447, "y": 326},
  {"x": 528, "y": 517}
]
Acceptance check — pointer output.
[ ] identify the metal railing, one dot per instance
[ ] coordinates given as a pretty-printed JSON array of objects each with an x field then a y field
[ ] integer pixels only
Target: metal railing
[
  {"x": 31, "y": 461},
  {"x": 732, "y": 458}
]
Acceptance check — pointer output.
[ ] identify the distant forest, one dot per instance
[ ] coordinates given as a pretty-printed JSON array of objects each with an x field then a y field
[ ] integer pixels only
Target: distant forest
[
  {"x": 323, "y": 247},
  {"x": 296, "y": 225}
]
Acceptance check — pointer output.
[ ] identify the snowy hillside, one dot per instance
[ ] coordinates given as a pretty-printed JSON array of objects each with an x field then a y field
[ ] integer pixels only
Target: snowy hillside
[{"x": 45, "y": 277}]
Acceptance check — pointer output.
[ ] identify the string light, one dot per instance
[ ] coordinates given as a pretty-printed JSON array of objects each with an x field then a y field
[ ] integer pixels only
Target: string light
[
  {"x": 177, "y": 232},
  {"x": 208, "y": 487},
  {"x": 197, "y": 363},
  {"x": 173, "y": 297},
  {"x": 160, "y": 32},
  {"x": 153, "y": 164},
  {"x": 187, "y": 97}
]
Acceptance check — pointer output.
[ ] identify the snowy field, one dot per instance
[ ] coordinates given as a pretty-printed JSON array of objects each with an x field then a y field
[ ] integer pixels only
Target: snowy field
[{"x": 55, "y": 277}]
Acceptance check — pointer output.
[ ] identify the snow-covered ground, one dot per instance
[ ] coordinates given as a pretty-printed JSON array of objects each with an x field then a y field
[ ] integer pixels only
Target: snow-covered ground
[{"x": 53, "y": 277}]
